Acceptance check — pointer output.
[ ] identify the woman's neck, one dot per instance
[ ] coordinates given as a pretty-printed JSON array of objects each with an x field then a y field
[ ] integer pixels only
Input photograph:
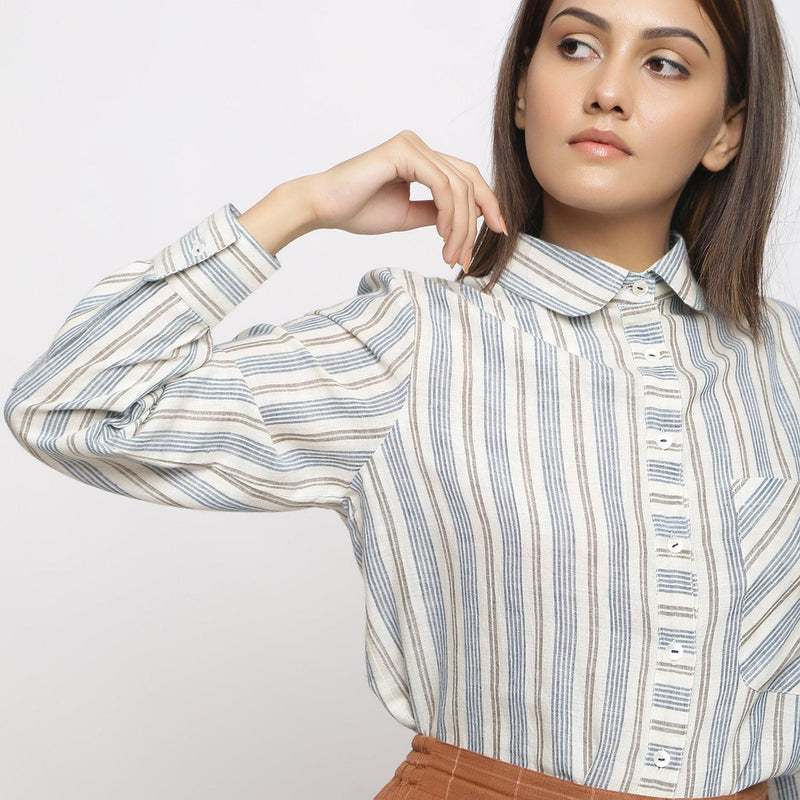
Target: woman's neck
[{"x": 634, "y": 242}]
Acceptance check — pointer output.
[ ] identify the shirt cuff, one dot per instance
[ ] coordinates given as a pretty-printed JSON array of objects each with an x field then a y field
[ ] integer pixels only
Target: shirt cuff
[{"x": 215, "y": 265}]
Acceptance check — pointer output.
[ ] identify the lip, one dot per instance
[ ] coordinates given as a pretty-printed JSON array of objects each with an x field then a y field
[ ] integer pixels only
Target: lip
[{"x": 601, "y": 137}]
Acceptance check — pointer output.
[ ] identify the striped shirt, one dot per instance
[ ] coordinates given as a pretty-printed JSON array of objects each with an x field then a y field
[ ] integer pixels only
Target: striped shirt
[{"x": 575, "y": 499}]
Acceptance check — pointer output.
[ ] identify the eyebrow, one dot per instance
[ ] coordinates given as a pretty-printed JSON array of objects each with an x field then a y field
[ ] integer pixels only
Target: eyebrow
[{"x": 647, "y": 33}]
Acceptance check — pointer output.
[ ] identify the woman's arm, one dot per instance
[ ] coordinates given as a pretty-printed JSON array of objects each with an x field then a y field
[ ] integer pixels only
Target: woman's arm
[
  {"x": 283, "y": 215},
  {"x": 134, "y": 397}
]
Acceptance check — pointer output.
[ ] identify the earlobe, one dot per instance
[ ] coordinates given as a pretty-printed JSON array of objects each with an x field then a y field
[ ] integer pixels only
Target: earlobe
[
  {"x": 519, "y": 107},
  {"x": 522, "y": 88},
  {"x": 727, "y": 142}
]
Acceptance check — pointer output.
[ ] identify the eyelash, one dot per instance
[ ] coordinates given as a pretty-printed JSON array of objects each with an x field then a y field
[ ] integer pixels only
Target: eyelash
[{"x": 684, "y": 73}]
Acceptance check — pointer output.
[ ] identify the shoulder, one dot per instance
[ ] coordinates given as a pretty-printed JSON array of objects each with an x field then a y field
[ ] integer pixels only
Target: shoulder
[
  {"x": 421, "y": 288},
  {"x": 782, "y": 312},
  {"x": 399, "y": 286},
  {"x": 782, "y": 320},
  {"x": 383, "y": 280},
  {"x": 390, "y": 280},
  {"x": 385, "y": 299},
  {"x": 393, "y": 292},
  {"x": 397, "y": 279}
]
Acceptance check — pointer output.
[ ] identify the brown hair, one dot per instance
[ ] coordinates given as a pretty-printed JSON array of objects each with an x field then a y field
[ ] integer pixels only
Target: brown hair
[{"x": 723, "y": 216}]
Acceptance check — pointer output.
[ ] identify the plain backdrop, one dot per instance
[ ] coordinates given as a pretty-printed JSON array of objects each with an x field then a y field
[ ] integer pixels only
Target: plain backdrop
[{"x": 157, "y": 653}]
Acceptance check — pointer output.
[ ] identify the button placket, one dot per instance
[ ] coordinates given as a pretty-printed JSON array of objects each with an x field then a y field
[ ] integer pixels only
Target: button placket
[
  {"x": 641, "y": 291},
  {"x": 674, "y": 602}
]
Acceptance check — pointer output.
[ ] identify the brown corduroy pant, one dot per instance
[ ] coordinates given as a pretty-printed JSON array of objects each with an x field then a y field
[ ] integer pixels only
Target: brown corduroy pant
[{"x": 435, "y": 770}]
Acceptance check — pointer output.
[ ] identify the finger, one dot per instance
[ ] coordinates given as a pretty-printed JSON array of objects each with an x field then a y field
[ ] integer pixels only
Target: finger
[
  {"x": 421, "y": 214},
  {"x": 458, "y": 242},
  {"x": 459, "y": 239},
  {"x": 485, "y": 198},
  {"x": 412, "y": 165},
  {"x": 472, "y": 231},
  {"x": 465, "y": 212}
]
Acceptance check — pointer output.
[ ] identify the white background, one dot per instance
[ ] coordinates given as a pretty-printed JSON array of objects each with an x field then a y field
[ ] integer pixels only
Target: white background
[{"x": 160, "y": 653}]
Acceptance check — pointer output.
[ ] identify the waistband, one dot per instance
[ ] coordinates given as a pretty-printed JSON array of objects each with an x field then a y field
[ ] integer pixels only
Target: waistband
[{"x": 435, "y": 769}]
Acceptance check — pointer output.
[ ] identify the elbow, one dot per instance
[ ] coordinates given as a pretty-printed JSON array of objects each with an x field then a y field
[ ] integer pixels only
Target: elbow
[
  {"x": 28, "y": 421},
  {"x": 14, "y": 414},
  {"x": 19, "y": 417}
]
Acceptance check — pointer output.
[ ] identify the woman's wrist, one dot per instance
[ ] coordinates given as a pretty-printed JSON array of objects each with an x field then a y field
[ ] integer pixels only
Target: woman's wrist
[{"x": 283, "y": 215}]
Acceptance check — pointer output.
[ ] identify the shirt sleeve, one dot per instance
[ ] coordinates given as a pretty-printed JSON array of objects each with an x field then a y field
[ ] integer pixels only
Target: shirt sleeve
[
  {"x": 784, "y": 787},
  {"x": 134, "y": 397}
]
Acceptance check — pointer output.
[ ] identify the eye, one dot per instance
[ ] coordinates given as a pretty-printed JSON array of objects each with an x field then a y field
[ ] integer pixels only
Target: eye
[
  {"x": 665, "y": 67},
  {"x": 568, "y": 43},
  {"x": 679, "y": 68}
]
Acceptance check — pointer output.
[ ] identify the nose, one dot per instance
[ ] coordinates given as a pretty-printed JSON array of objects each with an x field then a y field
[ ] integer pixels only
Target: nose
[{"x": 608, "y": 89}]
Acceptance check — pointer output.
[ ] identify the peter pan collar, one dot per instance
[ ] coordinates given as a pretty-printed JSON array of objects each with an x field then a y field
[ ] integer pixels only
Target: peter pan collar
[{"x": 574, "y": 283}]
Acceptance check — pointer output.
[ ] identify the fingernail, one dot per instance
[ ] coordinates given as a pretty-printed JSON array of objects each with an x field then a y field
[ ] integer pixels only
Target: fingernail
[{"x": 505, "y": 230}]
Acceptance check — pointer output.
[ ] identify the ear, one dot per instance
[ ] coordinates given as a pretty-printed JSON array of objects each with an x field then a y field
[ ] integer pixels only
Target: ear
[
  {"x": 728, "y": 140},
  {"x": 519, "y": 100}
]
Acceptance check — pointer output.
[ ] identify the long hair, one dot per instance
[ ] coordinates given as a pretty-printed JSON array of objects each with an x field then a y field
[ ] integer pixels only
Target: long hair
[{"x": 723, "y": 216}]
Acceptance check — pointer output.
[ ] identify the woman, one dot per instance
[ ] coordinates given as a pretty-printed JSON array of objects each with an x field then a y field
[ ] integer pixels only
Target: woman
[{"x": 571, "y": 475}]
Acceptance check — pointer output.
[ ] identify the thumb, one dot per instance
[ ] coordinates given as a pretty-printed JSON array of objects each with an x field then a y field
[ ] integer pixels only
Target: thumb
[{"x": 421, "y": 213}]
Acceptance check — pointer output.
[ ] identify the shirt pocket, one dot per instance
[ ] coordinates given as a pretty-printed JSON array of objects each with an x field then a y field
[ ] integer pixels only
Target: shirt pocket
[{"x": 768, "y": 532}]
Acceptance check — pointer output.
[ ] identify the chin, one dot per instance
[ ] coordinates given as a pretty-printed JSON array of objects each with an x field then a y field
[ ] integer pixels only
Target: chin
[{"x": 598, "y": 199}]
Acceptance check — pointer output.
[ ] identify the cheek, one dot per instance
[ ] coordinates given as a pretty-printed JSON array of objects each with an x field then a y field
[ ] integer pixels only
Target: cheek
[
  {"x": 679, "y": 135},
  {"x": 547, "y": 111}
]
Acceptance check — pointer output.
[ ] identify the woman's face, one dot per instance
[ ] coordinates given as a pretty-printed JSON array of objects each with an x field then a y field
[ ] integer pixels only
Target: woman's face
[{"x": 664, "y": 95}]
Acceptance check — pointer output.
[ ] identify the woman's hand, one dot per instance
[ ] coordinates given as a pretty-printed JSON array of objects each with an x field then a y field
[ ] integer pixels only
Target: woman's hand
[{"x": 370, "y": 194}]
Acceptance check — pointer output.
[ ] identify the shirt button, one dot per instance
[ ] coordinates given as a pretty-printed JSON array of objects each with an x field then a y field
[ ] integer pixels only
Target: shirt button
[
  {"x": 639, "y": 287},
  {"x": 199, "y": 249},
  {"x": 653, "y": 354},
  {"x": 676, "y": 545},
  {"x": 661, "y": 758},
  {"x": 675, "y": 651},
  {"x": 664, "y": 441}
]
